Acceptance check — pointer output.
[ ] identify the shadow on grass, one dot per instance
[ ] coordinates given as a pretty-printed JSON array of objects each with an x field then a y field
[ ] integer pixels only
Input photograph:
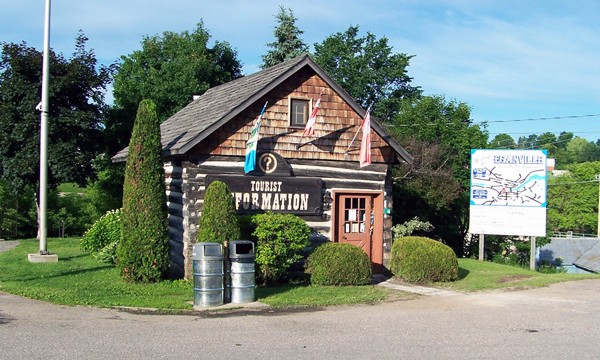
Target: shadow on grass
[
  {"x": 64, "y": 273},
  {"x": 462, "y": 273},
  {"x": 263, "y": 291},
  {"x": 72, "y": 257}
]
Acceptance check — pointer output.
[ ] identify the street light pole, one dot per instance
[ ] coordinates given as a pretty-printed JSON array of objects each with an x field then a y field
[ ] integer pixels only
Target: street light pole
[
  {"x": 44, "y": 135},
  {"x": 43, "y": 255}
]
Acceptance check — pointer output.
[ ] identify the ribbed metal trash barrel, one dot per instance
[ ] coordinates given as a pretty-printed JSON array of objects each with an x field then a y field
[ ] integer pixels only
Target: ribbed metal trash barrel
[
  {"x": 241, "y": 271},
  {"x": 207, "y": 259}
]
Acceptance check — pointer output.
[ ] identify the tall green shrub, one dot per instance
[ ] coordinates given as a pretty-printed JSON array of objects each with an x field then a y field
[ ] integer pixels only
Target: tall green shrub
[
  {"x": 219, "y": 221},
  {"x": 420, "y": 259},
  {"x": 143, "y": 253},
  {"x": 280, "y": 240},
  {"x": 104, "y": 231},
  {"x": 339, "y": 264}
]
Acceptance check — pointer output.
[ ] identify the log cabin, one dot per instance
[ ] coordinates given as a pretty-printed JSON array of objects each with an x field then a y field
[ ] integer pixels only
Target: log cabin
[{"x": 316, "y": 177}]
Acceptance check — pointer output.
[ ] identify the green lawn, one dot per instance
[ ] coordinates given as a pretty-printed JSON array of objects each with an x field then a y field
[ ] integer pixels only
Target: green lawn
[
  {"x": 78, "y": 279},
  {"x": 71, "y": 188},
  {"x": 477, "y": 275}
]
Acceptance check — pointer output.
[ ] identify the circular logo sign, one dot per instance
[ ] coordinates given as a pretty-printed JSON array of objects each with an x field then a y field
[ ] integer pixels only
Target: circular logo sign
[{"x": 267, "y": 163}]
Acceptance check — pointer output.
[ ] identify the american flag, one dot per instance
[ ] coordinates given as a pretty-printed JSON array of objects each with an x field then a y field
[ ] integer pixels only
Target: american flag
[
  {"x": 308, "y": 130},
  {"x": 365, "y": 144}
]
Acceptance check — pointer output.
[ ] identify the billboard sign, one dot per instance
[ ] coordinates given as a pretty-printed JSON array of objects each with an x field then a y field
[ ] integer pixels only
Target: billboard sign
[{"x": 508, "y": 192}]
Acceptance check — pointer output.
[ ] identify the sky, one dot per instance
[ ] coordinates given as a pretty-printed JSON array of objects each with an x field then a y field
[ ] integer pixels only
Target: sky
[{"x": 524, "y": 67}]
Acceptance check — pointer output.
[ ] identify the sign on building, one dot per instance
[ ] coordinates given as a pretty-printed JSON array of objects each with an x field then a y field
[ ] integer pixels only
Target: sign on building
[
  {"x": 257, "y": 194},
  {"x": 508, "y": 192}
]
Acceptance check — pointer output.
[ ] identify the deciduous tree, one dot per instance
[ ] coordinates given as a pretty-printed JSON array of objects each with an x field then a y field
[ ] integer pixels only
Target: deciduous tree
[
  {"x": 440, "y": 134},
  {"x": 77, "y": 109},
  {"x": 573, "y": 199},
  {"x": 368, "y": 69},
  {"x": 169, "y": 69},
  {"x": 502, "y": 141}
]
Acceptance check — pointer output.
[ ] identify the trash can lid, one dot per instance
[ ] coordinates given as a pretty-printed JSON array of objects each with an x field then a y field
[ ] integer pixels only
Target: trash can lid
[
  {"x": 241, "y": 248},
  {"x": 206, "y": 249}
]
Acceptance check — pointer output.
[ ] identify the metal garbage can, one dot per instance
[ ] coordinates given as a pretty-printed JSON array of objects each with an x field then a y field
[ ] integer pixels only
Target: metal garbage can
[
  {"x": 207, "y": 259},
  {"x": 240, "y": 267}
]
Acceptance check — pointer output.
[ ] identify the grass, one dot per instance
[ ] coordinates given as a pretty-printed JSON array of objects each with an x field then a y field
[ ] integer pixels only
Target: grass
[
  {"x": 477, "y": 275},
  {"x": 71, "y": 188},
  {"x": 78, "y": 279},
  {"x": 294, "y": 295}
]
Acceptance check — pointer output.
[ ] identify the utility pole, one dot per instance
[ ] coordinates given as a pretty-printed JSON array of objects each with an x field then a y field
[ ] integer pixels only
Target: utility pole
[
  {"x": 598, "y": 229},
  {"x": 532, "y": 253},
  {"x": 43, "y": 255}
]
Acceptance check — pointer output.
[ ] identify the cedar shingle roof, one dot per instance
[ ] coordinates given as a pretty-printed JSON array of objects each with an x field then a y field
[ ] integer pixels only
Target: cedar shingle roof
[{"x": 219, "y": 104}]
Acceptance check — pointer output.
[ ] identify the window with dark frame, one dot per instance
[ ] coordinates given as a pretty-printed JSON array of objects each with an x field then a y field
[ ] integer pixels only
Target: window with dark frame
[{"x": 298, "y": 112}]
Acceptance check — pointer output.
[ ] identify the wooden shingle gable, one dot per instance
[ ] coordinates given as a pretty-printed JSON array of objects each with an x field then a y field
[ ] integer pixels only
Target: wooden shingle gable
[{"x": 219, "y": 105}]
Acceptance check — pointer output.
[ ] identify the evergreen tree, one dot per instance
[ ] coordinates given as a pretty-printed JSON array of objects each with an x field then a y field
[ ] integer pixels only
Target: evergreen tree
[
  {"x": 218, "y": 222},
  {"x": 143, "y": 253},
  {"x": 287, "y": 44}
]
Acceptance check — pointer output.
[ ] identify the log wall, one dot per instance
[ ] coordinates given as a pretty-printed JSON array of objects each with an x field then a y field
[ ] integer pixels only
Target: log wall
[{"x": 186, "y": 188}]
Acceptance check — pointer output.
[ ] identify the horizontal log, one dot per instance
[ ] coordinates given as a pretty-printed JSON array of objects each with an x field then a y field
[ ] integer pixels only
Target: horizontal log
[
  {"x": 176, "y": 270},
  {"x": 176, "y": 222},
  {"x": 175, "y": 196},
  {"x": 352, "y": 185},
  {"x": 175, "y": 209},
  {"x": 175, "y": 235}
]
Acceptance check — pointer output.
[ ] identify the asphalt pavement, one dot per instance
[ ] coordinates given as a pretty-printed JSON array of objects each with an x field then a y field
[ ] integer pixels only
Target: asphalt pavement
[
  {"x": 6, "y": 245},
  {"x": 556, "y": 322}
]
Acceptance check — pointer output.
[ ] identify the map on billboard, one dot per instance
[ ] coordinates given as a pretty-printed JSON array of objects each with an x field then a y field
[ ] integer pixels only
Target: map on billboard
[{"x": 508, "y": 192}]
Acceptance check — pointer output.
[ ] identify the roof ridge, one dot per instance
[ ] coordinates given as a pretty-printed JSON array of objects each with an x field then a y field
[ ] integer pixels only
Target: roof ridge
[{"x": 285, "y": 64}]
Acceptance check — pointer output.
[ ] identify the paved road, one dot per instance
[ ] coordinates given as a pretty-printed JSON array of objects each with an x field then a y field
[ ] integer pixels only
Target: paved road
[
  {"x": 559, "y": 322},
  {"x": 6, "y": 245}
]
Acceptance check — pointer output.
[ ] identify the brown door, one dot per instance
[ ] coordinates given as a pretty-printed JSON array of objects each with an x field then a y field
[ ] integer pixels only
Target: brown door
[{"x": 355, "y": 220}]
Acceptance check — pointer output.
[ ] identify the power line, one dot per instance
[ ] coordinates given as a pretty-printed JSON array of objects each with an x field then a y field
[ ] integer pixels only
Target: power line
[
  {"x": 499, "y": 121},
  {"x": 540, "y": 118}
]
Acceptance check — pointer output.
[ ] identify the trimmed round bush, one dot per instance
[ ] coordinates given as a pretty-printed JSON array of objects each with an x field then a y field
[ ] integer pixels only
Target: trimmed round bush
[
  {"x": 420, "y": 259},
  {"x": 339, "y": 264},
  {"x": 103, "y": 232}
]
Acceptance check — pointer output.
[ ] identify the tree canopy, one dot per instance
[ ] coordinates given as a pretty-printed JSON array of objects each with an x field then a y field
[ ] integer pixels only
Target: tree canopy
[
  {"x": 368, "y": 69},
  {"x": 76, "y": 114},
  {"x": 573, "y": 199},
  {"x": 288, "y": 42},
  {"x": 169, "y": 69},
  {"x": 502, "y": 141},
  {"x": 440, "y": 136}
]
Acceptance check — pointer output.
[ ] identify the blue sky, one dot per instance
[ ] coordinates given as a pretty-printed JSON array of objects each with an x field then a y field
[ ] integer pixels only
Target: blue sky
[{"x": 509, "y": 60}]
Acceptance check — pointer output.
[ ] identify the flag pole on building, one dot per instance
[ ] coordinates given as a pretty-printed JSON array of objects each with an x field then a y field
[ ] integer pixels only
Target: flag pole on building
[
  {"x": 310, "y": 124},
  {"x": 359, "y": 128},
  {"x": 252, "y": 143},
  {"x": 43, "y": 107}
]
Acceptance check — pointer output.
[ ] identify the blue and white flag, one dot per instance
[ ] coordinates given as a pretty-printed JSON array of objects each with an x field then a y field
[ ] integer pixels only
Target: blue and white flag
[{"x": 252, "y": 143}]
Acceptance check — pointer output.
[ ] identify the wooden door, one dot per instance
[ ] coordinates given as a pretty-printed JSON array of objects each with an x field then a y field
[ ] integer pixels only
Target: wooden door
[{"x": 355, "y": 220}]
